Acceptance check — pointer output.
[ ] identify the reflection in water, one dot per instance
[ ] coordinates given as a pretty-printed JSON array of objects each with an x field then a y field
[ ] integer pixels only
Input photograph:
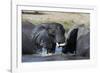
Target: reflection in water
[{"x": 58, "y": 50}]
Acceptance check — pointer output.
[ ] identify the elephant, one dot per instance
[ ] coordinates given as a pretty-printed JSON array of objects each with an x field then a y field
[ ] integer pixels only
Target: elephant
[
  {"x": 27, "y": 28},
  {"x": 78, "y": 42},
  {"x": 44, "y": 35}
]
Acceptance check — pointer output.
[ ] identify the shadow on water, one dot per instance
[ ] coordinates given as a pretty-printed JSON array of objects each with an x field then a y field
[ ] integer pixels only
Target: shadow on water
[{"x": 55, "y": 57}]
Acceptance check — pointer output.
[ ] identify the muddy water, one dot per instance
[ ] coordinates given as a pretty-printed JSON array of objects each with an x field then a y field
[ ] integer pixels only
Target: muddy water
[
  {"x": 53, "y": 57},
  {"x": 56, "y": 57}
]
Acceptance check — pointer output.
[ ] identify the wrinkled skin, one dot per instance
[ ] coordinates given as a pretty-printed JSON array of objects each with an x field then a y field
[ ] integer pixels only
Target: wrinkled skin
[
  {"x": 78, "y": 42},
  {"x": 26, "y": 44},
  {"x": 83, "y": 42},
  {"x": 42, "y": 39},
  {"x": 45, "y": 35},
  {"x": 83, "y": 45},
  {"x": 71, "y": 42},
  {"x": 27, "y": 28},
  {"x": 56, "y": 30}
]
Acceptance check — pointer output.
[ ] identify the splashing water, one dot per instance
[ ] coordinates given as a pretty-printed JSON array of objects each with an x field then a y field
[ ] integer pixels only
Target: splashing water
[
  {"x": 44, "y": 52},
  {"x": 58, "y": 50}
]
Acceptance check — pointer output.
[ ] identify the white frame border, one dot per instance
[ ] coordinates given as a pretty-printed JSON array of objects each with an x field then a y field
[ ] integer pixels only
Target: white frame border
[{"x": 17, "y": 66}]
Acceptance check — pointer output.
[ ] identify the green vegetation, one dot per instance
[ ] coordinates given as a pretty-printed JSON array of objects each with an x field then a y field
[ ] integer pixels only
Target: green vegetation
[{"x": 66, "y": 19}]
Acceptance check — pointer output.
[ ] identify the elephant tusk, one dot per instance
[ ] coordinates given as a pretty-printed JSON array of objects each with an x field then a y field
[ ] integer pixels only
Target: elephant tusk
[
  {"x": 62, "y": 44},
  {"x": 57, "y": 45}
]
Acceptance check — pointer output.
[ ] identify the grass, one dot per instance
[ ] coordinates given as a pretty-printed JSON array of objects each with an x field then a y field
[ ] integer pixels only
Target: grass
[{"x": 66, "y": 19}]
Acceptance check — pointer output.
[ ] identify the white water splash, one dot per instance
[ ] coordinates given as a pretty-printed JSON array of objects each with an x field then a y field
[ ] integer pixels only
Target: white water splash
[{"x": 44, "y": 52}]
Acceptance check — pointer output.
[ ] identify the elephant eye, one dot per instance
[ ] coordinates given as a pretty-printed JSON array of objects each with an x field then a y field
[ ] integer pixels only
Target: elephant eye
[{"x": 51, "y": 31}]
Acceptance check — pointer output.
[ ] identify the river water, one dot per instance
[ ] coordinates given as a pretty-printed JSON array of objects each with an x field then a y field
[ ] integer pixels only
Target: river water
[{"x": 58, "y": 56}]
